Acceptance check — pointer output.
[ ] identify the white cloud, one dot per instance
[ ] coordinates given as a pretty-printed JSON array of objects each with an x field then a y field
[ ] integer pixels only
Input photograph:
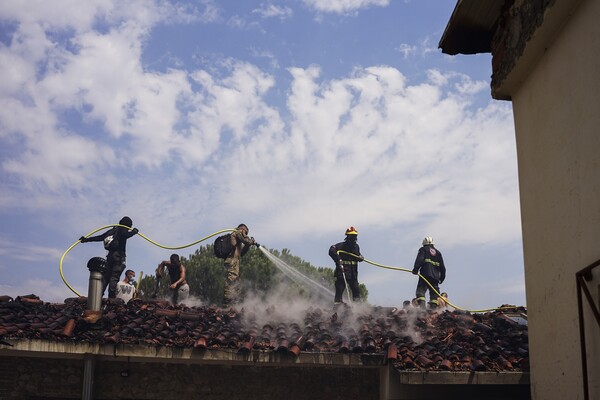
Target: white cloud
[
  {"x": 406, "y": 50},
  {"x": 344, "y": 6},
  {"x": 274, "y": 11},
  {"x": 90, "y": 134},
  {"x": 10, "y": 249}
]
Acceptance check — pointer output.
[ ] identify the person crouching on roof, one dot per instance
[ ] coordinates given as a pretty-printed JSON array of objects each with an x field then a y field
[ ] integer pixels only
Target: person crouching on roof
[
  {"x": 346, "y": 265},
  {"x": 179, "y": 289}
]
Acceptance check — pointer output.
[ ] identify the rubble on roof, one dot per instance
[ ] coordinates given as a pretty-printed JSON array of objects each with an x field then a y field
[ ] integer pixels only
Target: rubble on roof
[{"x": 409, "y": 338}]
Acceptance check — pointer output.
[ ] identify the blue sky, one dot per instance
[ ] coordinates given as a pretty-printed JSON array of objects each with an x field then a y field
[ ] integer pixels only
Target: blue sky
[{"x": 298, "y": 118}]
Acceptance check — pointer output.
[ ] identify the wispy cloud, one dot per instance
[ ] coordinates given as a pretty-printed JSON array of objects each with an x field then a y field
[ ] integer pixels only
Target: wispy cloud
[
  {"x": 90, "y": 133},
  {"x": 274, "y": 11},
  {"x": 365, "y": 127},
  {"x": 344, "y": 6}
]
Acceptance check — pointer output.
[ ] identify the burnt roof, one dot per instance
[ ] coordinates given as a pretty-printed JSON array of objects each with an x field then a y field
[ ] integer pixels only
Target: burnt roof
[{"x": 411, "y": 339}]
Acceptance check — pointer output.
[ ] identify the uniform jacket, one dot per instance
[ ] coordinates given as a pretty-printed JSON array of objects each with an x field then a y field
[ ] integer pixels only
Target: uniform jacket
[
  {"x": 241, "y": 243},
  {"x": 349, "y": 262},
  {"x": 430, "y": 264},
  {"x": 121, "y": 234}
]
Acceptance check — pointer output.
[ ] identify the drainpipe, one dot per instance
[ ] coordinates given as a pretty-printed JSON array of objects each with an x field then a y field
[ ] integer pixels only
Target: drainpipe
[
  {"x": 97, "y": 267},
  {"x": 89, "y": 365}
]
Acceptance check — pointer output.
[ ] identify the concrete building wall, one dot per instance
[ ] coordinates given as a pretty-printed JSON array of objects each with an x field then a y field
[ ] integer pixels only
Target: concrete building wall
[
  {"x": 557, "y": 119},
  {"x": 41, "y": 378}
]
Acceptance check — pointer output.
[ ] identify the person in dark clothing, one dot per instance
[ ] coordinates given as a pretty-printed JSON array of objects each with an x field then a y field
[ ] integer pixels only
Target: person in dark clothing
[
  {"x": 430, "y": 265},
  {"x": 178, "y": 288},
  {"x": 346, "y": 265},
  {"x": 115, "y": 241}
]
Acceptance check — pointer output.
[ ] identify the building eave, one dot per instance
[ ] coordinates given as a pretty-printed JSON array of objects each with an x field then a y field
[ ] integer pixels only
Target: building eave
[{"x": 471, "y": 27}]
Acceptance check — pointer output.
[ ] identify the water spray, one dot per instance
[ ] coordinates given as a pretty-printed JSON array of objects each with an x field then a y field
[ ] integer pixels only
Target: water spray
[
  {"x": 289, "y": 271},
  {"x": 293, "y": 273}
]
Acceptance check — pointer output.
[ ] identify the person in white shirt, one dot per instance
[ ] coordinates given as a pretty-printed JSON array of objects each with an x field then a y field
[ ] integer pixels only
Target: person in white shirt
[{"x": 126, "y": 288}]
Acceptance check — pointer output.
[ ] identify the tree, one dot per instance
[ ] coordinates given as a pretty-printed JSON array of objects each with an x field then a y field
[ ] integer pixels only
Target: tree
[{"x": 259, "y": 276}]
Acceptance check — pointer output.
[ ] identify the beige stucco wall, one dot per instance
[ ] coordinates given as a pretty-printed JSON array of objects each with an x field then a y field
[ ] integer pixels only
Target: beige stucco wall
[{"x": 557, "y": 119}]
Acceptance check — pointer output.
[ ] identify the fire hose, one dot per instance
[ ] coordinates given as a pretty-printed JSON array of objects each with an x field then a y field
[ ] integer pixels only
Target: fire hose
[
  {"x": 60, "y": 264},
  {"x": 426, "y": 281}
]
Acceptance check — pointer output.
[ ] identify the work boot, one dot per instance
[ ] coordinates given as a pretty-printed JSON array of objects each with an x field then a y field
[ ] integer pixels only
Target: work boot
[{"x": 421, "y": 304}]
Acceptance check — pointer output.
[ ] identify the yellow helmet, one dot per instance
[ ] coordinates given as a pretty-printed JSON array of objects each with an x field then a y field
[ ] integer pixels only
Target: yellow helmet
[{"x": 351, "y": 231}]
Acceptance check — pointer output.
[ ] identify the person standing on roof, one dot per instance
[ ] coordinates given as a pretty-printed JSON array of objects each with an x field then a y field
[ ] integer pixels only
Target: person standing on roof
[
  {"x": 115, "y": 241},
  {"x": 126, "y": 288},
  {"x": 240, "y": 242},
  {"x": 430, "y": 265},
  {"x": 178, "y": 288},
  {"x": 346, "y": 265}
]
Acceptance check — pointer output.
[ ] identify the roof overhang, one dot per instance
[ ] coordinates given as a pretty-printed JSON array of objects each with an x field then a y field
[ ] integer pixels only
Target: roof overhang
[
  {"x": 171, "y": 355},
  {"x": 143, "y": 353},
  {"x": 471, "y": 27}
]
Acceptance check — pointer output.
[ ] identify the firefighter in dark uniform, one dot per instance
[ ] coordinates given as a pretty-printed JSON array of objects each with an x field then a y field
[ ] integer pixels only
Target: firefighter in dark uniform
[
  {"x": 430, "y": 265},
  {"x": 346, "y": 265},
  {"x": 115, "y": 240}
]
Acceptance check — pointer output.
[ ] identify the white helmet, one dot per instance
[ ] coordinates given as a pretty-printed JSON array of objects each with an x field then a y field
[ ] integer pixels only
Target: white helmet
[{"x": 427, "y": 240}]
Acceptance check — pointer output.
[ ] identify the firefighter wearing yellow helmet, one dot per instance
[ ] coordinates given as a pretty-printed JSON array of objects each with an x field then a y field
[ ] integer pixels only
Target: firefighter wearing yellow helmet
[{"x": 346, "y": 265}]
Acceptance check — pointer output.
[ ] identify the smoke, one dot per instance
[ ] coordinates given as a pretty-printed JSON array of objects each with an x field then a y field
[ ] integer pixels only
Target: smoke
[{"x": 284, "y": 311}]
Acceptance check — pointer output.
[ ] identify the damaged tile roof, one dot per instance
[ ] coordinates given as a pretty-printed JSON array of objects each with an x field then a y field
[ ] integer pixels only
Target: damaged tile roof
[{"x": 411, "y": 339}]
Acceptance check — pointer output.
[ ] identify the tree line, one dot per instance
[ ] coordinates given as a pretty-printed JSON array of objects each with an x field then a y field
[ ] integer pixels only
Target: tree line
[{"x": 260, "y": 277}]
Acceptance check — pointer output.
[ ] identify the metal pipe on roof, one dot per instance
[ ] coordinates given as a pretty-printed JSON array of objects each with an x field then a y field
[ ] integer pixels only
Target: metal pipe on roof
[{"x": 97, "y": 267}]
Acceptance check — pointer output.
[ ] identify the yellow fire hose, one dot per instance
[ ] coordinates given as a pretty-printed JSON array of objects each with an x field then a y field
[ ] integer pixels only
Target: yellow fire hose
[
  {"x": 60, "y": 265},
  {"x": 429, "y": 284}
]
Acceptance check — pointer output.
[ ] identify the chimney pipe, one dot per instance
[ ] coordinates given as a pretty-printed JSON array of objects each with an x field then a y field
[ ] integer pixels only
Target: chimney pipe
[{"x": 97, "y": 267}]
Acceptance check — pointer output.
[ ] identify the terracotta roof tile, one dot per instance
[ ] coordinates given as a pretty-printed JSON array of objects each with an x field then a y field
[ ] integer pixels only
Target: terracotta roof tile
[{"x": 410, "y": 339}]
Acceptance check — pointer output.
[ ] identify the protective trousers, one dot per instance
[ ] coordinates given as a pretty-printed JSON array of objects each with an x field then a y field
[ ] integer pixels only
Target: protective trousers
[
  {"x": 423, "y": 287},
  {"x": 115, "y": 265},
  {"x": 351, "y": 275},
  {"x": 232, "y": 288}
]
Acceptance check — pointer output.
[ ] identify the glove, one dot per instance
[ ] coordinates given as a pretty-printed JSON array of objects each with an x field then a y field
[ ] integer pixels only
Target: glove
[
  {"x": 83, "y": 239},
  {"x": 415, "y": 272},
  {"x": 361, "y": 258},
  {"x": 135, "y": 231}
]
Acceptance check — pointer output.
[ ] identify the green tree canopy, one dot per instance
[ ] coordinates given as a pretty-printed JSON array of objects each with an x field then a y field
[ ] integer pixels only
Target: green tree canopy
[{"x": 259, "y": 275}]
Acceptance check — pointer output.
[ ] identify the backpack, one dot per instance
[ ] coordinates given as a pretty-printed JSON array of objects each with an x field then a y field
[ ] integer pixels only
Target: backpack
[
  {"x": 223, "y": 246},
  {"x": 110, "y": 242}
]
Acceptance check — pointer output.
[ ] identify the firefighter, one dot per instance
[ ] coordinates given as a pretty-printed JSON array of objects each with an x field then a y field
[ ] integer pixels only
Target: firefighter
[
  {"x": 431, "y": 266},
  {"x": 240, "y": 244},
  {"x": 346, "y": 265}
]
